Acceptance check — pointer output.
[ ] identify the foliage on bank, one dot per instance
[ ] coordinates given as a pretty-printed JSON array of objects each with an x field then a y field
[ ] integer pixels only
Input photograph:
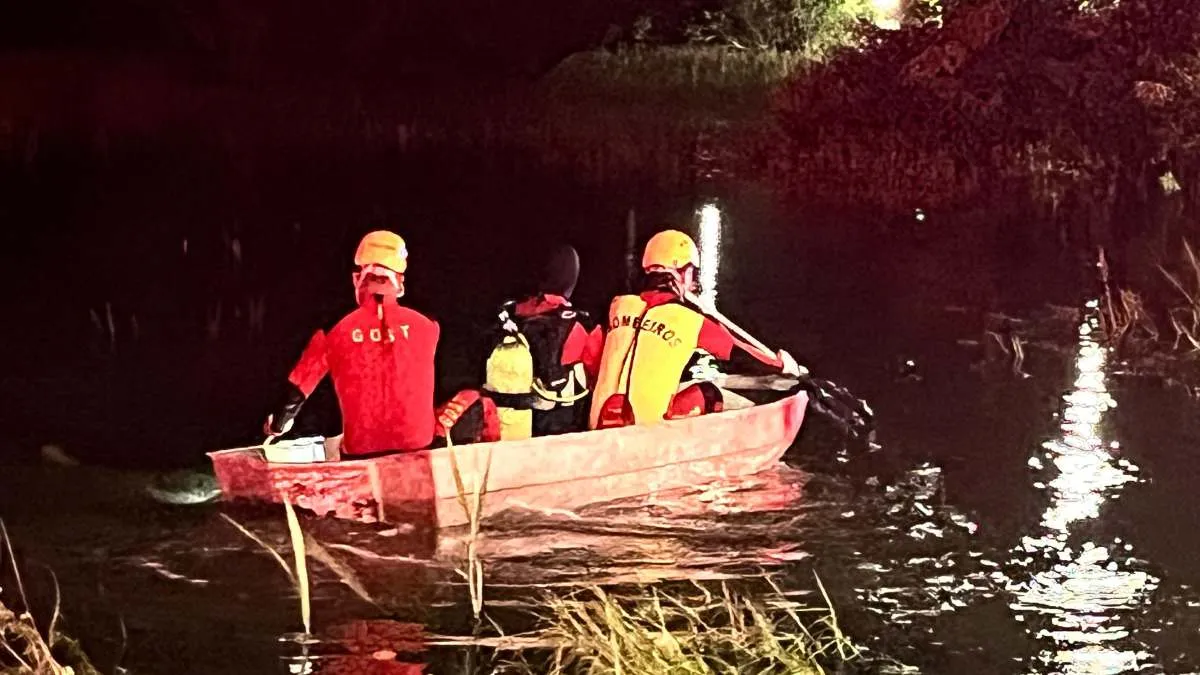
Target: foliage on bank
[
  {"x": 812, "y": 29},
  {"x": 1043, "y": 94},
  {"x": 27, "y": 648},
  {"x": 1156, "y": 324},
  {"x": 1082, "y": 104}
]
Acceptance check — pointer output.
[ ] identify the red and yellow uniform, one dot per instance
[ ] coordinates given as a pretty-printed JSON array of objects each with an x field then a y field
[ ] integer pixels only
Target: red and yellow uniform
[
  {"x": 544, "y": 355},
  {"x": 651, "y": 339},
  {"x": 565, "y": 344}
]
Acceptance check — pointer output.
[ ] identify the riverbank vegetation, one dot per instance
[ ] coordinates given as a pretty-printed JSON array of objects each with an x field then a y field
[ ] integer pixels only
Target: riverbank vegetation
[
  {"x": 1155, "y": 326},
  {"x": 1088, "y": 103},
  {"x": 26, "y": 648},
  {"x": 657, "y": 631},
  {"x": 1086, "y": 107}
]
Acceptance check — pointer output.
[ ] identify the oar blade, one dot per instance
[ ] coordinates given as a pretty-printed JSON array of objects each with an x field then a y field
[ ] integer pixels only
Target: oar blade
[{"x": 825, "y": 398}]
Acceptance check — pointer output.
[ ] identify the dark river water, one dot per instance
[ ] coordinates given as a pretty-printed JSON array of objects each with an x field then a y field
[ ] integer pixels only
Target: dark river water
[{"x": 1037, "y": 519}]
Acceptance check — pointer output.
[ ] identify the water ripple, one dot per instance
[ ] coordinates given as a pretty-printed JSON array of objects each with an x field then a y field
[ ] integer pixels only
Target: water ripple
[{"x": 1080, "y": 593}]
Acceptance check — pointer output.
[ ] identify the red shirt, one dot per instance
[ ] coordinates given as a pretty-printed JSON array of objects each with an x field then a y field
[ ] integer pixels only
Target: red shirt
[{"x": 382, "y": 372}]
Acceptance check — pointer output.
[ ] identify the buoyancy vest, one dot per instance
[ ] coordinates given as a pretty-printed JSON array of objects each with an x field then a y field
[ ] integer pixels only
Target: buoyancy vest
[{"x": 646, "y": 351}]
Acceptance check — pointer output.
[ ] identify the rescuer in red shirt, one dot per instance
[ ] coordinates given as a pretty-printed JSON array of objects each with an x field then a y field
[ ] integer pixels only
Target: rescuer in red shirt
[{"x": 380, "y": 357}]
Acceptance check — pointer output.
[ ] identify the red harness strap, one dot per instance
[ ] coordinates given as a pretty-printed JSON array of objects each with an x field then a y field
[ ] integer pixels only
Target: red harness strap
[
  {"x": 701, "y": 398},
  {"x": 616, "y": 412}
]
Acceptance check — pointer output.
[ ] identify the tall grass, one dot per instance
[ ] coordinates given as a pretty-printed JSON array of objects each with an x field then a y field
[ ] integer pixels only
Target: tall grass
[
  {"x": 657, "y": 632},
  {"x": 1123, "y": 315},
  {"x": 303, "y": 547},
  {"x": 1185, "y": 317},
  {"x": 303, "y": 588},
  {"x": 298, "y": 575},
  {"x": 630, "y": 116},
  {"x": 1127, "y": 316},
  {"x": 26, "y": 650},
  {"x": 471, "y": 501},
  {"x": 711, "y": 80}
]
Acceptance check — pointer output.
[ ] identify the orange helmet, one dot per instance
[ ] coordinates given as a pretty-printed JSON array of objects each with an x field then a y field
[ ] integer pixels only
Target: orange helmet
[
  {"x": 382, "y": 248},
  {"x": 671, "y": 249}
]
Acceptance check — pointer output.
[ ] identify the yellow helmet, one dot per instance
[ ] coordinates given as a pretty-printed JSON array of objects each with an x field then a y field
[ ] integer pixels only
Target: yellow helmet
[
  {"x": 671, "y": 249},
  {"x": 382, "y": 248}
]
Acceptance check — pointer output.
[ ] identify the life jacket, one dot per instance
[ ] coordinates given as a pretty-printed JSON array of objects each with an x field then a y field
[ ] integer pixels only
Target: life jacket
[
  {"x": 525, "y": 370},
  {"x": 645, "y": 353}
]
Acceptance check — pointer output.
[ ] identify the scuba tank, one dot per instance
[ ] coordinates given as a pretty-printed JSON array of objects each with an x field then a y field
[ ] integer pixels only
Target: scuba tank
[{"x": 509, "y": 382}]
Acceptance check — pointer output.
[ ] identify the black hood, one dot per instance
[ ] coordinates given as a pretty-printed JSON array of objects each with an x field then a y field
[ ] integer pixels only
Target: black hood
[{"x": 561, "y": 272}]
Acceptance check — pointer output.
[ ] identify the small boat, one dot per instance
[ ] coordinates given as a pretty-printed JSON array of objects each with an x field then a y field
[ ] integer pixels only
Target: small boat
[{"x": 547, "y": 474}]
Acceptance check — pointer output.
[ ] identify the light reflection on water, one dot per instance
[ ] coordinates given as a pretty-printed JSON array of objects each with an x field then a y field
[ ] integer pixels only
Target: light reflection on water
[
  {"x": 1077, "y": 593},
  {"x": 1078, "y": 605},
  {"x": 710, "y": 251}
]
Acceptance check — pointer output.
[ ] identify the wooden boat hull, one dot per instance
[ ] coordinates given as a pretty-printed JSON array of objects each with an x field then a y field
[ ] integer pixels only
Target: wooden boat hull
[{"x": 542, "y": 474}]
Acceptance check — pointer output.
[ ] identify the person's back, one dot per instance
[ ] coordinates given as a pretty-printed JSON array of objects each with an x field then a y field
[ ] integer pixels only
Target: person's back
[
  {"x": 559, "y": 342},
  {"x": 653, "y": 336},
  {"x": 382, "y": 371},
  {"x": 651, "y": 339},
  {"x": 380, "y": 357}
]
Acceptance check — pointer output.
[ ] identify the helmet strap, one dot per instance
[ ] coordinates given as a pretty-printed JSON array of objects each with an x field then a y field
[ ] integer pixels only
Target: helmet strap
[
  {"x": 377, "y": 281},
  {"x": 675, "y": 277}
]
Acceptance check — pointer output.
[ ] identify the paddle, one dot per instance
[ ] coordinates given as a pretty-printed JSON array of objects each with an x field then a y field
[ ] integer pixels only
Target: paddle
[
  {"x": 756, "y": 382},
  {"x": 827, "y": 397}
]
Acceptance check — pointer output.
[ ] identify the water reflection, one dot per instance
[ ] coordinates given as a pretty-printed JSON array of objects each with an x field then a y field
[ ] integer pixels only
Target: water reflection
[
  {"x": 676, "y": 535},
  {"x": 1081, "y": 600},
  {"x": 934, "y": 569},
  {"x": 361, "y": 647},
  {"x": 710, "y": 251}
]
